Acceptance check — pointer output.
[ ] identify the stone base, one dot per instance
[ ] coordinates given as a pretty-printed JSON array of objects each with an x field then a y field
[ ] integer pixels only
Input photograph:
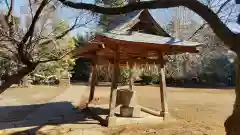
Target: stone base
[
  {"x": 130, "y": 111},
  {"x": 144, "y": 118},
  {"x": 166, "y": 116},
  {"x": 112, "y": 121},
  {"x": 117, "y": 121}
]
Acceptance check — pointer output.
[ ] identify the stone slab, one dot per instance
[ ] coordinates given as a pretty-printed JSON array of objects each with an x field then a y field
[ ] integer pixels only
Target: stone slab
[{"x": 145, "y": 118}]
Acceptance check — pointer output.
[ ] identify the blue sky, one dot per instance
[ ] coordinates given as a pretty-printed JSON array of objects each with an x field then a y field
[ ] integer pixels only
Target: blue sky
[{"x": 161, "y": 15}]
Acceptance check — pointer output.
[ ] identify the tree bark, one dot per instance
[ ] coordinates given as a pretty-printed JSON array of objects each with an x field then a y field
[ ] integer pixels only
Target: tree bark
[
  {"x": 24, "y": 82},
  {"x": 15, "y": 78},
  {"x": 232, "y": 124}
]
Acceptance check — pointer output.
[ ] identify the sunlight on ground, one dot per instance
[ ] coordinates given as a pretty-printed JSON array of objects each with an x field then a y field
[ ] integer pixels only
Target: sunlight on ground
[{"x": 198, "y": 111}]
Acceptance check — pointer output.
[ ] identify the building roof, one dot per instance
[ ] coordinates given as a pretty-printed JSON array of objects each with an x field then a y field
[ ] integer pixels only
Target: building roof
[
  {"x": 117, "y": 22},
  {"x": 130, "y": 21},
  {"x": 137, "y": 36},
  {"x": 149, "y": 38}
]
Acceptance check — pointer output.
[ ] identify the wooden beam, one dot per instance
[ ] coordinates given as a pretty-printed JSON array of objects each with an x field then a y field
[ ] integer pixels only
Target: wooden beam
[
  {"x": 162, "y": 82},
  {"x": 91, "y": 47},
  {"x": 131, "y": 79},
  {"x": 93, "y": 80},
  {"x": 124, "y": 60},
  {"x": 150, "y": 111},
  {"x": 115, "y": 74}
]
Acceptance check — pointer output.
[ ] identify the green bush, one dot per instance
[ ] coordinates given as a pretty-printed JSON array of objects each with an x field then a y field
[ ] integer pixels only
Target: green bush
[
  {"x": 145, "y": 79},
  {"x": 218, "y": 70},
  {"x": 58, "y": 68},
  {"x": 155, "y": 79},
  {"x": 149, "y": 76},
  {"x": 104, "y": 73},
  {"x": 124, "y": 75}
]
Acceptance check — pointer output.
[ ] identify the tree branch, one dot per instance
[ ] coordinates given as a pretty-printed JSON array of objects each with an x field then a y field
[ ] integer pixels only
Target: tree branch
[
  {"x": 34, "y": 21},
  {"x": 29, "y": 33},
  {"x": 221, "y": 30},
  {"x": 74, "y": 26},
  {"x": 7, "y": 4},
  {"x": 10, "y": 8},
  {"x": 30, "y": 6},
  {"x": 227, "y": 18},
  {"x": 200, "y": 28},
  {"x": 54, "y": 59},
  {"x": 9, "y": 17},
  {"x": 62, "y": 34},
  {"x": 204, "y": 24},
  {"x": 13, "y": 40},
  {"x": 222, "y": 6}
]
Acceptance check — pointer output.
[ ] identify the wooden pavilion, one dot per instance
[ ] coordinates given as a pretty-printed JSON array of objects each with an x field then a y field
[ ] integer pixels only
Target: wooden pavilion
[{"x": 133, "y": 38}]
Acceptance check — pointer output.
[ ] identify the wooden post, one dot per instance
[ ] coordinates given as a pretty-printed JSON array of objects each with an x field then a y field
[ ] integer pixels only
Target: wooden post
[
  {"x": 115, "y": 75},
  {"x": 131, "y": 79},
  {"x": 93, "y": 80},
  {"x": 162, "y": 82}
]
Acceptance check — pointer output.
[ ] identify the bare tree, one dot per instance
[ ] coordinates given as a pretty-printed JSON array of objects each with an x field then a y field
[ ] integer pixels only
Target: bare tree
[
  {"x": 230, "y": 38},
  {"x": 187, "y": 25},
  {"x": 32, "y": 38},
  {"x": 226, "y": 10}
]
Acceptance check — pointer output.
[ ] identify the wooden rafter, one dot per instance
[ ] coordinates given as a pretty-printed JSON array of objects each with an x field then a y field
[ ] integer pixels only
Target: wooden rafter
[{"x": 90, "y": 48}]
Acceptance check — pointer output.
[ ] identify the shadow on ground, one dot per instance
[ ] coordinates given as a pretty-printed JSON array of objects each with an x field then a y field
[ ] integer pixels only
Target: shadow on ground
[
  {"x": 44, "y": 114},
  {"x": 96, "y": 113}
]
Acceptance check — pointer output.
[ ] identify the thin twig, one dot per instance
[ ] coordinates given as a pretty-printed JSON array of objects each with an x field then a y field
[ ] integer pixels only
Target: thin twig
[
  {"x": 74, "y": 26},
  {"x": 30, "y": 6},
  {"x": 29, "y": 33},
  {"x": 54, "y": 59},
  {"x": 204, "y": 24},
  {"x": 7, "y": 4}
]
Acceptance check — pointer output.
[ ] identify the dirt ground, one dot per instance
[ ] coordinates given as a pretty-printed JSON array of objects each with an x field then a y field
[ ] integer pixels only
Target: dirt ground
[
  {"x": 198, "y": 111},
  {"x": 16, "y": 103},
  {"x": 31, "y": 95}
]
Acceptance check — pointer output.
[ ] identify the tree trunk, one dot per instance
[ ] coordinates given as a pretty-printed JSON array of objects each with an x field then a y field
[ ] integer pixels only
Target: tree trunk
[
  {"x": 232, "y": 124},
  {"x": 24, "y": 81},
  {"x": 15, "y": 78}
]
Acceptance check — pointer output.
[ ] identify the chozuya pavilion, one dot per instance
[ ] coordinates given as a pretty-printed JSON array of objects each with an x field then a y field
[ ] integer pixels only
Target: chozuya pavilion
[{"x": 132, "y": 39}]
